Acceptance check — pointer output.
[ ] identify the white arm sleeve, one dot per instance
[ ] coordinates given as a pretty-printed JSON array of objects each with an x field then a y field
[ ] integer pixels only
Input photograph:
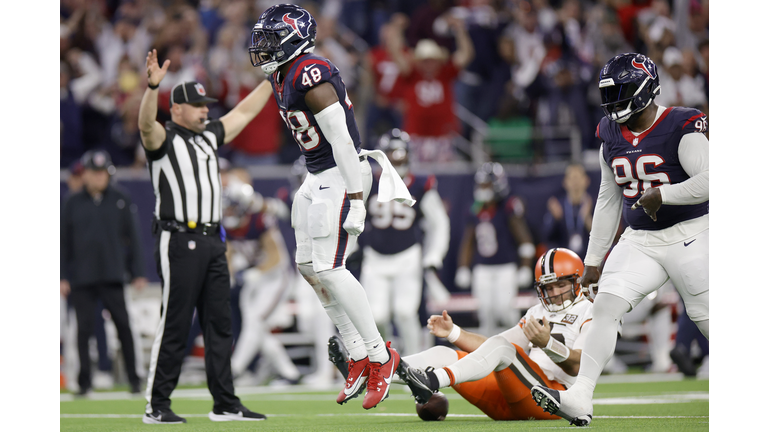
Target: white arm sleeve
[
  {"x": 333, "y": 123},
  {"x": 437, "y": 227},
  {"x": 693, "y": 153},
  {"x": 607, "y": 216}
]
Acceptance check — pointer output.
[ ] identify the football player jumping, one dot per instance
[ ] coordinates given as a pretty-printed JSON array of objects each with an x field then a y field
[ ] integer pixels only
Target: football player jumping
[
  {"x": 657, "y": 159},
  {"x": 328, "y": 212},
  {"x": 496, "y": 374}
]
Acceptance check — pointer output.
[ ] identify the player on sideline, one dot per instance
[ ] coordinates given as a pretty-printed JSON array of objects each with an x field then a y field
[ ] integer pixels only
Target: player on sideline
[
  {"x": 656, "y": 158},
  {"x": 496, "y": 374},
  {"x": 328, "y": 212}
]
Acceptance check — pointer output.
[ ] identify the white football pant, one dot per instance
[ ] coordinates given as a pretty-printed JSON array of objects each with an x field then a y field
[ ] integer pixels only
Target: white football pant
[
  {"x": 394, "y": 284},
  {"x": 495, "y": 288}
]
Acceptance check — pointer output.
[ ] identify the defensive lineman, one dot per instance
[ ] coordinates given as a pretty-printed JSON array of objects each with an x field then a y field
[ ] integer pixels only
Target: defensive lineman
[
  {"x": 661, "y": 156},
  {"x": 393, "y": 264},
  {"x": 328, "y": 212}
]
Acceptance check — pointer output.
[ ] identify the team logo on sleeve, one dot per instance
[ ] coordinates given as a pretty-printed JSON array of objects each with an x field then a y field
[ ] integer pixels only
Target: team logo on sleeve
[
  {"x": 298, "y": 24},
  {"x": 569, "y": 318}
]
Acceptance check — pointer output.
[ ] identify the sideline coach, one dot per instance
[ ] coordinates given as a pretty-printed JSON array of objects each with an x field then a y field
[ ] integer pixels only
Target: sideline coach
[{"x": 190, "y": 248}]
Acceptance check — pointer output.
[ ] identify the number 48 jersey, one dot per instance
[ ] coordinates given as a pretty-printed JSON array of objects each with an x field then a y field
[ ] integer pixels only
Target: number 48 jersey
[
  {"x": 651, "y": 160},
  {"x": 307, "y": 72}
]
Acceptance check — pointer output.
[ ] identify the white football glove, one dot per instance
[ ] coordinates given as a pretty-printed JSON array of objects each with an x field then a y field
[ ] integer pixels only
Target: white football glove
[
  {"x": 354, "y": 224},
  {"x": 463, "y": 277},
  {"x": 524, "y": 277}
]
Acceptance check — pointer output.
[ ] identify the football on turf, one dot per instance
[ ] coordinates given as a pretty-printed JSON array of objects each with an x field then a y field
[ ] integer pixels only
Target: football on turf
[{"x": 435, "y": 409}]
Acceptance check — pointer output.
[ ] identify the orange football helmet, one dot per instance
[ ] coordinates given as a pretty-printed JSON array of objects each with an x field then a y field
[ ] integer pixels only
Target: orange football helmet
[{"x": 555, "y": 265}]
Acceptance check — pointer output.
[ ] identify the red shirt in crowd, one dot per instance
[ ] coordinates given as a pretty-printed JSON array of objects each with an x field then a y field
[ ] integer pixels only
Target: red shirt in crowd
[
  {"x": 262, "y": 135},
  {"x": 385, "y": 73},
  {"x": 428, "y": 103}
]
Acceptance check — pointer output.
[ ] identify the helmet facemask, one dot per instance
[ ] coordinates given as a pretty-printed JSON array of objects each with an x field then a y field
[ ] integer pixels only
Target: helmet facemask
[
  {"x": 267, "y": 51},
  {"x": 565, "y": 299},
  {"x": 622, "y": 101}
]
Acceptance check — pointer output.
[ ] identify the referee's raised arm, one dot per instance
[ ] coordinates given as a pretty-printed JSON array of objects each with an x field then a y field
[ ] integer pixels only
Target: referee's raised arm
[{"x": 152, "y": 132}]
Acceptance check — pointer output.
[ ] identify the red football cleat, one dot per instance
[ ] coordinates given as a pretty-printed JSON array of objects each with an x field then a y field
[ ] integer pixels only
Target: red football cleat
[
  {"x": 380, "y": 379},
  {"x": 356, "y": 379}
]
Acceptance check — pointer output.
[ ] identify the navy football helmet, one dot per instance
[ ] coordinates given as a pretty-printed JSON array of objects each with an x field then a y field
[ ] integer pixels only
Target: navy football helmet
[
  {"x": 628, "y": 83},
  {"x": 491, "y": 182},
  {"x": 395, "y": 144},
  {"x": 282, "y": 33}
]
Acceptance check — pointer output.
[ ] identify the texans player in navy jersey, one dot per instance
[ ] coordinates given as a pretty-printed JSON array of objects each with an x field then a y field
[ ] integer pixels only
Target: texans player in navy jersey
[
  {"x": 328, "y": 212},
  {"x": 395, "y": 254},
  {"x": 655, "y": 158},
  {"x": 496, "y": 239}
]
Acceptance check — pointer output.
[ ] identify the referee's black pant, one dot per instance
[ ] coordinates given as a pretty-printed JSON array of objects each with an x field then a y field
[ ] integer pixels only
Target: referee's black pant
[
  {"x": 193, "y": 270},
  {"x": 84, "y": 300}
]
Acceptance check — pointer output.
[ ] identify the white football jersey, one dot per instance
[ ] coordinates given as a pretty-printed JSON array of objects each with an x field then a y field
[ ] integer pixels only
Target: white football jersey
[{"x": 565, "y": 327}]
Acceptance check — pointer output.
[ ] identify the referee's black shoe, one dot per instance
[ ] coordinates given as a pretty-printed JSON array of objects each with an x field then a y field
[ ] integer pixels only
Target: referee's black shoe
[
  {"x": 163, "y": 417},
  {"x": 240, "y": 413}
]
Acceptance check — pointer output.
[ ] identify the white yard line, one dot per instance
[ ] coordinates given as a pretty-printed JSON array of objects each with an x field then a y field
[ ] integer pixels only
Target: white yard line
[{"x": 104, "y": 416}]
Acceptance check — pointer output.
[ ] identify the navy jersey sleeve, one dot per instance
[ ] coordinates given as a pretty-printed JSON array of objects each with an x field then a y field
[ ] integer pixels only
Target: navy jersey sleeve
[
  {"x": 694, "y": 121},
  {"x": 310, "y": 73}
]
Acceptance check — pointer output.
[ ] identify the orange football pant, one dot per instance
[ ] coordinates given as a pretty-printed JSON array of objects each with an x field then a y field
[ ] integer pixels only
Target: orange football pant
[{"x": 503, "y": 396}]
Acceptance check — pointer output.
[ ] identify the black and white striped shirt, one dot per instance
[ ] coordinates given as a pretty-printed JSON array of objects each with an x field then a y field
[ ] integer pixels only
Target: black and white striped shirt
[{"x": 185, "y": 174}]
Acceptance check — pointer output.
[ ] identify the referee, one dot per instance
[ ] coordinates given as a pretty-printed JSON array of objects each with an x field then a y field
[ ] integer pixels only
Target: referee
[{"x": 190, "y": 248}]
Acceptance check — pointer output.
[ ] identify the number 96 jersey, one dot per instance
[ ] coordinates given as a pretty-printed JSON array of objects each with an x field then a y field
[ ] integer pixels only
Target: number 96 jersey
[
  {"x": 394, "y": 226},
  {"x": 650, "y": 160},
  {"x": 307, "y": 72}
]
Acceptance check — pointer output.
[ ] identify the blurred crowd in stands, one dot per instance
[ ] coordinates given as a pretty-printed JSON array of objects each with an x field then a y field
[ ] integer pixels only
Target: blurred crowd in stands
[{"x": 405, "y": 64}]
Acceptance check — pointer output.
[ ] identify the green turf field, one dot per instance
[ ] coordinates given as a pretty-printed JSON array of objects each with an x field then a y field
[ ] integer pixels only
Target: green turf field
[{"x": 658, "y": 406}]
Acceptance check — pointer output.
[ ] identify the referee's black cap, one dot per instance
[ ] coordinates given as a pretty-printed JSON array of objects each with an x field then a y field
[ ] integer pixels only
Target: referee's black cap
[
  {"x": 189, "y": 92},
  {"x": 97, "y": 160}
]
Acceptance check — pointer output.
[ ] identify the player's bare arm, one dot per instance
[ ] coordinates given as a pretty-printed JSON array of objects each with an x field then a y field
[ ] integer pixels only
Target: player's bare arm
[
  {"x": 442, "y": 326},
  {"x": 539, "y": 335},
  {"x": 589, "y": 282},
  {"x": 244, "y": 112},
  {"x": 152, "y": 132},
  {"x": 395, "y": 42}
]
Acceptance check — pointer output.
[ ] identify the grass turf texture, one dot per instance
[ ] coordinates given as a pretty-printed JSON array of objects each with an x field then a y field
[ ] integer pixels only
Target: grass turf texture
[{"x": 625, "y": 407}]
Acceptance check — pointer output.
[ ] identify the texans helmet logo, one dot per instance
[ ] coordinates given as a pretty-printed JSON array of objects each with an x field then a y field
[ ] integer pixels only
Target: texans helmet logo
[
  {"x": 301, "y": 27},
  {"x": 642, "y": 67}
]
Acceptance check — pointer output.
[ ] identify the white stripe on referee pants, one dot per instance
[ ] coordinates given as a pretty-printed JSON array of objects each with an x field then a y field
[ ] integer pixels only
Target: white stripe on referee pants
[{"x": 165, "y": 266}]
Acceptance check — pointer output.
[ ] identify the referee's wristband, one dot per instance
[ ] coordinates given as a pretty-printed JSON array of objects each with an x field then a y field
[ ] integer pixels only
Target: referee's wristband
[
  {"x": 454, "y": 334},
  {"x": 153, "y": 87}
]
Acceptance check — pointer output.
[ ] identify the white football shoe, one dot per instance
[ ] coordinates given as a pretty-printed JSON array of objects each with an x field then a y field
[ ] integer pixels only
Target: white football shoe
[{"x": 561, "y": 404}]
